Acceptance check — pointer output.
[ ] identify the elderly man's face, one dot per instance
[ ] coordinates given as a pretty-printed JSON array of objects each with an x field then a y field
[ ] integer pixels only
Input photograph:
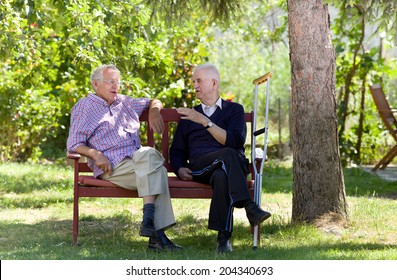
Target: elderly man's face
[
  {"x": 108, "y": 87},
  {"x": 205, "y": 86}
]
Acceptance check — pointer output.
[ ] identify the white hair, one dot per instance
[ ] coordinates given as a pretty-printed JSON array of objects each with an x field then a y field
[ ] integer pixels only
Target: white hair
[
  {"x": 97, "y": 74},
  {"x": 210, "y": 69}
]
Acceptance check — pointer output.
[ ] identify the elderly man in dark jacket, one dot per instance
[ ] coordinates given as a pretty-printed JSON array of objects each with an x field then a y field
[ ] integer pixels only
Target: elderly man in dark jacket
[{"x": 208, "y": 147}]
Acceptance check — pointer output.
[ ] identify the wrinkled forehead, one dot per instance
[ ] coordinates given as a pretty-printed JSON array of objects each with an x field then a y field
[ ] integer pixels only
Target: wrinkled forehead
[
  {"x": 111, "y": 73},
  {"x": 202, "y": 74}
]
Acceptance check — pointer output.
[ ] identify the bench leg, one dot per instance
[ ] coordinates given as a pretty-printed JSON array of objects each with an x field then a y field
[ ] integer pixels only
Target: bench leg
[{"x": 75, "y": 219}]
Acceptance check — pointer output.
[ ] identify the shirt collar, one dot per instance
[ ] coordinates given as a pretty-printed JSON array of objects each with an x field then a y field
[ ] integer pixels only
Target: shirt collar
[{"x": 218, "y": 103}]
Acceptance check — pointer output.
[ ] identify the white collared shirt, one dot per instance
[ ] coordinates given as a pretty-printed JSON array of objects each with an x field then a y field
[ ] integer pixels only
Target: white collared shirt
[{"x": 209, "y": 110}]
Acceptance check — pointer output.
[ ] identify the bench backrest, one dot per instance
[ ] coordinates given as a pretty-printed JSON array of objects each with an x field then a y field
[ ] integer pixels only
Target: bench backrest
[{"x": 171, "y": 118}]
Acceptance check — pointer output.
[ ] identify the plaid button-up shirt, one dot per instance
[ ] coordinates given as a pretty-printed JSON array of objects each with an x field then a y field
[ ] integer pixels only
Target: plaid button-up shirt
[{"x": 112, "y": 130}]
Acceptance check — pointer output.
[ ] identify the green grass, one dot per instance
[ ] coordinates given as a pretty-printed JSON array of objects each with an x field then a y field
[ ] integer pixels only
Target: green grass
[{"x": 36, "y": 222}]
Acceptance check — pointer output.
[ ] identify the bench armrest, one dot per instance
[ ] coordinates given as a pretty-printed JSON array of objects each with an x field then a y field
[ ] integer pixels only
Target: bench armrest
[{"x": 73, "y": 155}]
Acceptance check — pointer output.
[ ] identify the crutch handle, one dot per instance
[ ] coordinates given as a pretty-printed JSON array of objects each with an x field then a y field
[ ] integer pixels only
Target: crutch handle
[
  {"x": 262, "y": 79},
  {"x": 260, "y": 131}
]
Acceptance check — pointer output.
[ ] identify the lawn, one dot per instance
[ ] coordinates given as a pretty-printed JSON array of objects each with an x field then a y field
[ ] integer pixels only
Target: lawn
[{"x": 36, "y": 222}]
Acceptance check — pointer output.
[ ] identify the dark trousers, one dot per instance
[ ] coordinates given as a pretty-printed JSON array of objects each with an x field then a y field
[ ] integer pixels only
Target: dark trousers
[{"x": 226, "y": 171}]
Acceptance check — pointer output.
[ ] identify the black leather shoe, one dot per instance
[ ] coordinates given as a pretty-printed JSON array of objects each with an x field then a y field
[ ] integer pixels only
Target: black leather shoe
[
  {"x": 168, "y": 244},
  {"x": 255, "y": 214},
  {"x": 224, "y": 243},
  {"x": 160, "y": 244},
  {"x": 147, "y": 230},
  {"x": 154, "y": 245}
]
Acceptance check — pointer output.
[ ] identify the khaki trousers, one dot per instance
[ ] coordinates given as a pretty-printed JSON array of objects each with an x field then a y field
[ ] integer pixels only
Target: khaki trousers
[{"x": 146, "y": 174}]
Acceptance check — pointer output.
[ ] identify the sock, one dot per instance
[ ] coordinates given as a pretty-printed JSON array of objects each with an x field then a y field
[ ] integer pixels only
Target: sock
[
  {"x": 241, "y": 203},
  {"x": 148, "y": 214},
  {"x": 161, "y": 233},
  {"x": 224, "y": 233},
  {"x": 162, "y": 237},
  {"x": 249, "y": 203}
]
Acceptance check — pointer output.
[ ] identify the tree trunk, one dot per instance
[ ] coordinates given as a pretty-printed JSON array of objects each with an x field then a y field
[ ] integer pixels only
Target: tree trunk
[{"x": 318, "y": 185}]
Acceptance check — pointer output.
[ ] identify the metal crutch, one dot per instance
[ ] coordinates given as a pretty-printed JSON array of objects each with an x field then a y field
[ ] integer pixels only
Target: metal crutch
[{"x": 258, "y": 173}]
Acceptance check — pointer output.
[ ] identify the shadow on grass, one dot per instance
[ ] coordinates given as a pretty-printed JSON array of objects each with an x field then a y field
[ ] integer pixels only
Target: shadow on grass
[
  {"x": 278, "y": 179},
  {"x": 25, "y": 179},
  {"x": 117, "y": 238}
]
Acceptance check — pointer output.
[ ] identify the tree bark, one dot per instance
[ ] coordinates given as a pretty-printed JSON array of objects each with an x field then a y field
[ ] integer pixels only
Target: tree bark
[{"x": 318, "y": 185}]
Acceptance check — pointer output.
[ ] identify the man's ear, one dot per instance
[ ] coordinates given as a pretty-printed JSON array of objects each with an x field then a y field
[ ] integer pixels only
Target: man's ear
[
  {"x": 214, "y": 83},
  {"x": 95, "y": 84}
]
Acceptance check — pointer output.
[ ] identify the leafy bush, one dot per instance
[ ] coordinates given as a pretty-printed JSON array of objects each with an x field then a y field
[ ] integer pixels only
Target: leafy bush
[{"x": 49, "y": 48}]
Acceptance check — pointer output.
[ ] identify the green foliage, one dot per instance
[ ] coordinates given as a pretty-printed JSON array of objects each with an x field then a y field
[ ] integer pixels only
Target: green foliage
[
  {"x": 49, "y": 48},
  {"x": 383, "y": 14},
  {"x": 359, "y": 63},
  {"x": 247, "y": 49},
  {"x": 177, "y": 12}
]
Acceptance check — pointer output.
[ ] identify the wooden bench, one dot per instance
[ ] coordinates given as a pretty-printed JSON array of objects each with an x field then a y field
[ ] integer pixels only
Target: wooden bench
[{"x": 85, "y": 185}]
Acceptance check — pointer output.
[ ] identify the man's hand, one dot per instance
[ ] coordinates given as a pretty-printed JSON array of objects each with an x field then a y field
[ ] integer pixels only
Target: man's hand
[
  {"x": 102, "y": 162},
  {"x": 185, "y": 174},
  {"x": 99, "y": 158},
  {"x": 155, "y": 119},
  {"x": 192, "y": 115}
]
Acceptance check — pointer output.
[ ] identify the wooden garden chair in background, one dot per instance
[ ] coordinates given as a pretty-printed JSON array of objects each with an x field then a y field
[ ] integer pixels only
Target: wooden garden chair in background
[{"x": 387, "y": 115}]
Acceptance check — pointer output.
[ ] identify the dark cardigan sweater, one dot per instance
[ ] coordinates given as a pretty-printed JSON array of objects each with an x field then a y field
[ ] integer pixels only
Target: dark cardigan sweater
[{"x": 192, "y": 139}]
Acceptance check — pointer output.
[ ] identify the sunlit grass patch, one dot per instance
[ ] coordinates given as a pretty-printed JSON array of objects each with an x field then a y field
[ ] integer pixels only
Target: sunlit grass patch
[{"x": 36, "y": 222}]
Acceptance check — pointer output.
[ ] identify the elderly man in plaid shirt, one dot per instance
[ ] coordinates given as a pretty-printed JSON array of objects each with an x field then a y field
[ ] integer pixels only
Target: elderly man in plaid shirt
[{"x": 104, "y": 128}]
